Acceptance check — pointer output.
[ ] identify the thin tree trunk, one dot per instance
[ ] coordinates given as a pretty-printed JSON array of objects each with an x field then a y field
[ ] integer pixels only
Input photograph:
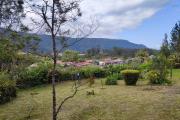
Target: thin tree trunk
[
  {"x": 54, "y": 116},
  {"x": 53, "y": 79}
]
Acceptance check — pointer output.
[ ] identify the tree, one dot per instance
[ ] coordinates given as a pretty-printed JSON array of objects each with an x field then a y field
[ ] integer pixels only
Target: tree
[
  {"x": 11, "y": 40},
  {"x": 175, "y": 38},
  {"x": 165, "y": 50},
  {"x": 11, "y": 12},
  {"x": 54, "y": 16},
  {"x": 161, "y": 65},
  {"x": 70, "y": 56},
  {"x": 94, "y": 52},
  {"x": 142, "y": 54}
]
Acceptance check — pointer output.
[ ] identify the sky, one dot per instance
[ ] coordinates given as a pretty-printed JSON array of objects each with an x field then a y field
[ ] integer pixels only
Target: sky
[{"x": 139, "y": 21}]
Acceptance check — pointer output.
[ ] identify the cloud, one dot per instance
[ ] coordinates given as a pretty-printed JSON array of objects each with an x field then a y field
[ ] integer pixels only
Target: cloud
[{"x": 115, "y": 16}]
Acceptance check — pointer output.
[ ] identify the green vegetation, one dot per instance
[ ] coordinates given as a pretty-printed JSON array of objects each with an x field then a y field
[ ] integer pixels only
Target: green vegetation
[
  {"x": 112, "y": 79},
  {"x": 81, "y": 93},
  {"x": 113, "y": 102},
  {"x": 155, "y": 78},
  {"x": 34, "y": 76},
  {"x": 71, "y": 56},
  {"x": 130, "y": 76},
  {"x": 7, "y": 88}
]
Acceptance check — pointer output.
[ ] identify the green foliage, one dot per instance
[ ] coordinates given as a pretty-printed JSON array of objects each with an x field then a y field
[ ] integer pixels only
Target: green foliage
[
  {"x": 34, "y": 76},
  {"x": 70, "y": 56},
  {"x": 7, "y": 54},
  {"x": 175, "y": 60},
  {"x": 165, "y": 48},
  {"x": 155, "y": 78},
  {"x": 130, "y": 76},
  {"x": 158, "y": 72},
  {"x": 111, "y": 80},
  {"x": 111, "y": 69},
  {"x": 85, "y": 72},
  {"x": 94, "y": 52},
  {"x": 144, "y": 68},
  {"x": 93, "y": 71},
  {"x": 142, "y": 54},
  {"x": 7, "y": 88},
  {"x": 160, "y": 64},
  {"x": 10, "y": 47},
  {"x": 175, "y": 38}
]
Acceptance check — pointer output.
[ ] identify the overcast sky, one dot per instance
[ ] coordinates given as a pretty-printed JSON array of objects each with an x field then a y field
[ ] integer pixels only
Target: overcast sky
[{"x": 139, "y": 21}]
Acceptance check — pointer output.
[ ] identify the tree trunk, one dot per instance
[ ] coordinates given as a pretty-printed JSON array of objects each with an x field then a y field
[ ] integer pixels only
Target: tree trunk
[
  {"x": 53, "y": 79},
  {"x": 54, "y": 116}
]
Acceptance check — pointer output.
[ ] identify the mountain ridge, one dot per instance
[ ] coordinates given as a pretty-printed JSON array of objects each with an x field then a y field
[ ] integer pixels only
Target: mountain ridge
[{"x": 88, "y": 43}]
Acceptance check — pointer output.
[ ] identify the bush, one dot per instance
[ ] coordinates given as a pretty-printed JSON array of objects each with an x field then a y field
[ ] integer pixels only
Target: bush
[
  {"x": 111, "y": 80},
  {"x": 111, "y": 69},
  {"x": 155, "y": 78},
  {"x": 33, "y": 76},
  {"x": 130, "y": 76},
  {"x": 87, "y": 72},
  {"x": 7, "y": 88},
  {"x": 144, "y": 68}
]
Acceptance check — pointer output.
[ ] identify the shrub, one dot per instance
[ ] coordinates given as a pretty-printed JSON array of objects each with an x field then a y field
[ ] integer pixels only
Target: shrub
[
  {"x": 130, "y": 76},
  {"x": 111, "y": 80},
  {"x": 155, "y": 78},
  {"x": 7, "y": 88},
  {"x": 33, "y": 76},
  {"x": 144, "y": 68},
  {"x": 111, "y": 69},
  {"x": 92, "y": 71}
]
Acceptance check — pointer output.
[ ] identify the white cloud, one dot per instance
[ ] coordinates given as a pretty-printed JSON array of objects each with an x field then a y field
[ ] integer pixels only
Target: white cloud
[{"x": 116, "y": 15}]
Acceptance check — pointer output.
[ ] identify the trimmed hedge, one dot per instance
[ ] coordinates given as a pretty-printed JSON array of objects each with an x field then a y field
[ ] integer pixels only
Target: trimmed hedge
[
  {"x": 7, "y": 88},
  {"x": 130, "y": 76}
]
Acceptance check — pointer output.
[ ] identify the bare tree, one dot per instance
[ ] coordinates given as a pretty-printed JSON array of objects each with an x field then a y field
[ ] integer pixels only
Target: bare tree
[{"x": 56, "y": 18}]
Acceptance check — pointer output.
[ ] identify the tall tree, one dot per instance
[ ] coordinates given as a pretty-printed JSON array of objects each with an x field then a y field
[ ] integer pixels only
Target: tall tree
[
  {"x": 165, "y": 50},
  {"x": 54, "y": 16},
  {"x": 175, "y": 38}
]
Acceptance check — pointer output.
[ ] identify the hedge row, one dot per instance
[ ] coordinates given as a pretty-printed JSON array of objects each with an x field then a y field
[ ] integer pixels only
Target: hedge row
[{"x": 42, "y": 74}]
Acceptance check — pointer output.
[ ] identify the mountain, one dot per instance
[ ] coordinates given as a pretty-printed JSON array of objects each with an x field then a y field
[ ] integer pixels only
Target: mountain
[{"x": 88, "y": 43}]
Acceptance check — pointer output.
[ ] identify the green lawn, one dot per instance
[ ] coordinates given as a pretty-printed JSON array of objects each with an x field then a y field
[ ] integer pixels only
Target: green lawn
[{"x": 141, "y": 102}]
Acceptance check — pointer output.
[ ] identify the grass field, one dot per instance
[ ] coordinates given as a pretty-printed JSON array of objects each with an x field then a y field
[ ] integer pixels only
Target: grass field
[{"x": 141, "y": 102}]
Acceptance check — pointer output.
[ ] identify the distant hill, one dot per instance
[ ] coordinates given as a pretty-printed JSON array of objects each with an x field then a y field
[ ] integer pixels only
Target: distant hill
[{"x": 88, "y": 43}]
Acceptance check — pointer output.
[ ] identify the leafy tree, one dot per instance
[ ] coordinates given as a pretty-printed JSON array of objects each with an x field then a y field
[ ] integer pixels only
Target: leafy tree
[
  {"x": 70, "y": 56},
  {"x": 11, "y": 41},
  {"x": 94, "y": 52},
  {"x": 142, "y": 54},
  {"x": 7, "y": 54},
  {"x": 161, "y": 65},
  {"x": 175, "y": 38},
  {"x": 165, "y": 50}
]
